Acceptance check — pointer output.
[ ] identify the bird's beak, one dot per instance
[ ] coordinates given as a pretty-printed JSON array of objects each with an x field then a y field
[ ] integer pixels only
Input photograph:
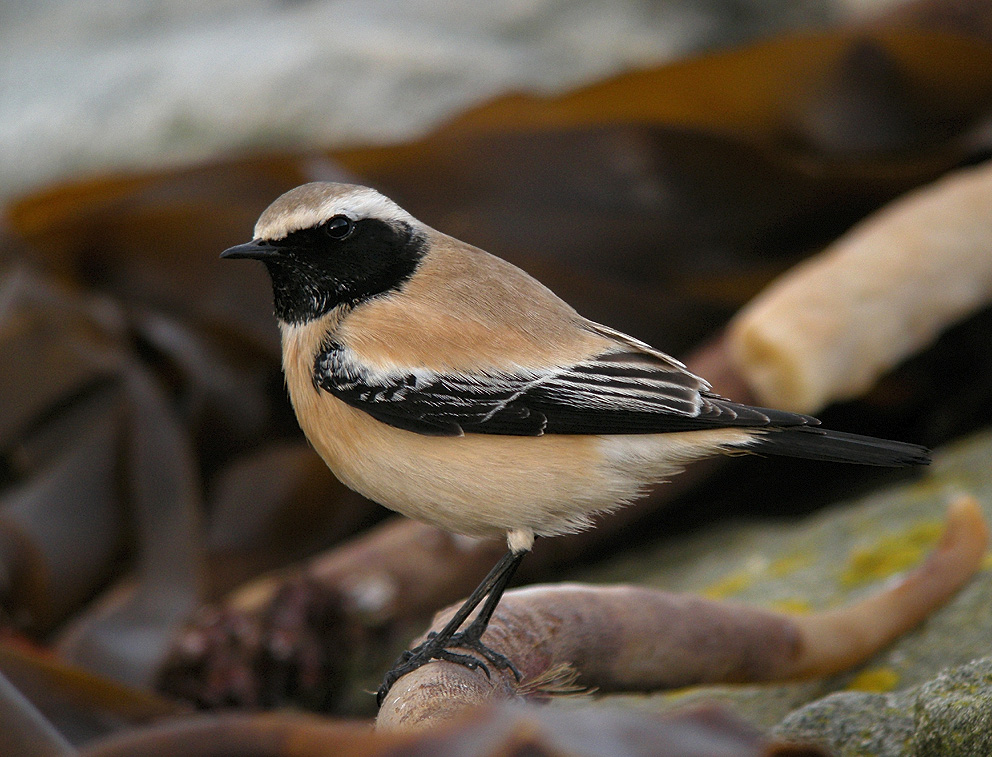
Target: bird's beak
[{"x": 257, "y": 249}]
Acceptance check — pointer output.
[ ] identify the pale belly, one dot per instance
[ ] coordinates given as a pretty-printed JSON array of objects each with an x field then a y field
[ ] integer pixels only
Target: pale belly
[{"x": 478, "y": 485}]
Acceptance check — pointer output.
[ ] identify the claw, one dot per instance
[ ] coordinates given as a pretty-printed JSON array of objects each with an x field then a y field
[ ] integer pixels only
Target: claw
[
  {"x": 462, "y": 659},
  {"x": 424, "y": 653},
  {"x": 469, "y": 640}
]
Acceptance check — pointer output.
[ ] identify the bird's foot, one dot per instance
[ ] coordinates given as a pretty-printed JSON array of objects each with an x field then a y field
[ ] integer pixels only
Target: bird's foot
[
  {"x": 470, "y": 639},
  {"x": 433, "y": 650}
]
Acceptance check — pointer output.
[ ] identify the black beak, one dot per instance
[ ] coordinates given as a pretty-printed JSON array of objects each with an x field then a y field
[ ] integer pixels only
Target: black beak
[{"x": 257, "y": 249}]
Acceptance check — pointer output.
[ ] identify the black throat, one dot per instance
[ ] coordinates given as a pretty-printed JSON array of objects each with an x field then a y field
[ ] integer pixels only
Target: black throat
[{"x": 314, "y": 273}]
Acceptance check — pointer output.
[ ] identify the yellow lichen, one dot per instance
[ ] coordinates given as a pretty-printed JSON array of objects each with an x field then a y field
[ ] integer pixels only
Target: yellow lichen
[
  {"x": 875, "y": 680},
  {"x": 890, "y": 554},
  {"x": 793, "y": 606},
  {"x": 789, "y": 564},
  {"x": 729, "y": 585}
]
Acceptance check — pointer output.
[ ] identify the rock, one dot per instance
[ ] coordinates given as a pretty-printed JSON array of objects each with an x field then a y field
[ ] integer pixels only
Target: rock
[
  {"x": 900, "y": 698},
  {"x": 950, "y": 716},
  {"x": 855, "y": 724},
  {"x": 954, "y": 712}
]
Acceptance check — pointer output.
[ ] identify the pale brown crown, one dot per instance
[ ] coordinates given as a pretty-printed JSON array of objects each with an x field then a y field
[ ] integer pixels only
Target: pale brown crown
[{"x": 311, "y": 204}]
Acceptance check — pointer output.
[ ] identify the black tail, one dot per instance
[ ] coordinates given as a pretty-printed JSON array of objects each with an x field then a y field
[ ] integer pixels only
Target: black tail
[{"x": 821, "y": 444}]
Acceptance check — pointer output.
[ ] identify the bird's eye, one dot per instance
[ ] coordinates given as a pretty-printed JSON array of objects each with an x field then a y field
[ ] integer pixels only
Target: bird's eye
[{"x": 339, "y": 227}]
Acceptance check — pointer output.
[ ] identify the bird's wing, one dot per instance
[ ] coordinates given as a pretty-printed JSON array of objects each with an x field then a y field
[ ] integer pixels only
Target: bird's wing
[{"x": 625, "y": 390}]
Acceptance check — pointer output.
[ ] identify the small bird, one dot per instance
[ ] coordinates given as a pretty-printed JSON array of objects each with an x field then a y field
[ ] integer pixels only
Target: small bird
[{"x": 449, "y": 385}]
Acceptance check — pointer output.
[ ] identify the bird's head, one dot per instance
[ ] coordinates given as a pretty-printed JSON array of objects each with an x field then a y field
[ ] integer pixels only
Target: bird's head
[{"x": 327, "y": 244}]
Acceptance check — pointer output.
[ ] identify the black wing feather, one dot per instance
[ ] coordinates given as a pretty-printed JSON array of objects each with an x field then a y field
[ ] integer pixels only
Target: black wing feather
[{"x": 628, "y": 391}]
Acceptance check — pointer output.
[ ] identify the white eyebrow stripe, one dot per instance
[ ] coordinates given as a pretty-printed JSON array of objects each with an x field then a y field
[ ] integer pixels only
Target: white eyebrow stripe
[
  {"x": 365, "y": 203},
  {"x": 357, "y": 203}
]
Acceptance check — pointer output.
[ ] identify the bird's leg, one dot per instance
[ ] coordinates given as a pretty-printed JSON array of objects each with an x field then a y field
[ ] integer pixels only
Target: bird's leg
[
  {"x": 436, "y": 646},
  {"x": 472, "y": 635}
]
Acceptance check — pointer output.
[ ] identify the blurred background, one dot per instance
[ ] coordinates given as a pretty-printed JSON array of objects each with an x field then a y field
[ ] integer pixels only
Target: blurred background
[
  {"x": 164, "y": 528},
  {"x": 86, "y": 87}
]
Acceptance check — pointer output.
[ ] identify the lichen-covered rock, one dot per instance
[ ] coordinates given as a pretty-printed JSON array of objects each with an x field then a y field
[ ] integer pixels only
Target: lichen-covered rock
[
  {"x": 950, "y": 716},
  {"x": 828, "y": 559},
  {"x": 954, "y": 712},
  {"x": 855, "y": 724}
]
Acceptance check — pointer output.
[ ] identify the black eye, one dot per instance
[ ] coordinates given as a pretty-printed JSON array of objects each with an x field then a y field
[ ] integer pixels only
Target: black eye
[{"x": 339, "y": 227}]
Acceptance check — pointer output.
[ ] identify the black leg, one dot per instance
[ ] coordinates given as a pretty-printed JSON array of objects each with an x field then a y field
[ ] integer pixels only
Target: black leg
[
  {"x": 478, "y": 626},
  {"x": 436, "y": 647}
]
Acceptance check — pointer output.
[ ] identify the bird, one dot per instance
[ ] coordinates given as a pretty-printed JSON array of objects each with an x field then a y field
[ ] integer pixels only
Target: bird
[{"x": 449, "y": 385}]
